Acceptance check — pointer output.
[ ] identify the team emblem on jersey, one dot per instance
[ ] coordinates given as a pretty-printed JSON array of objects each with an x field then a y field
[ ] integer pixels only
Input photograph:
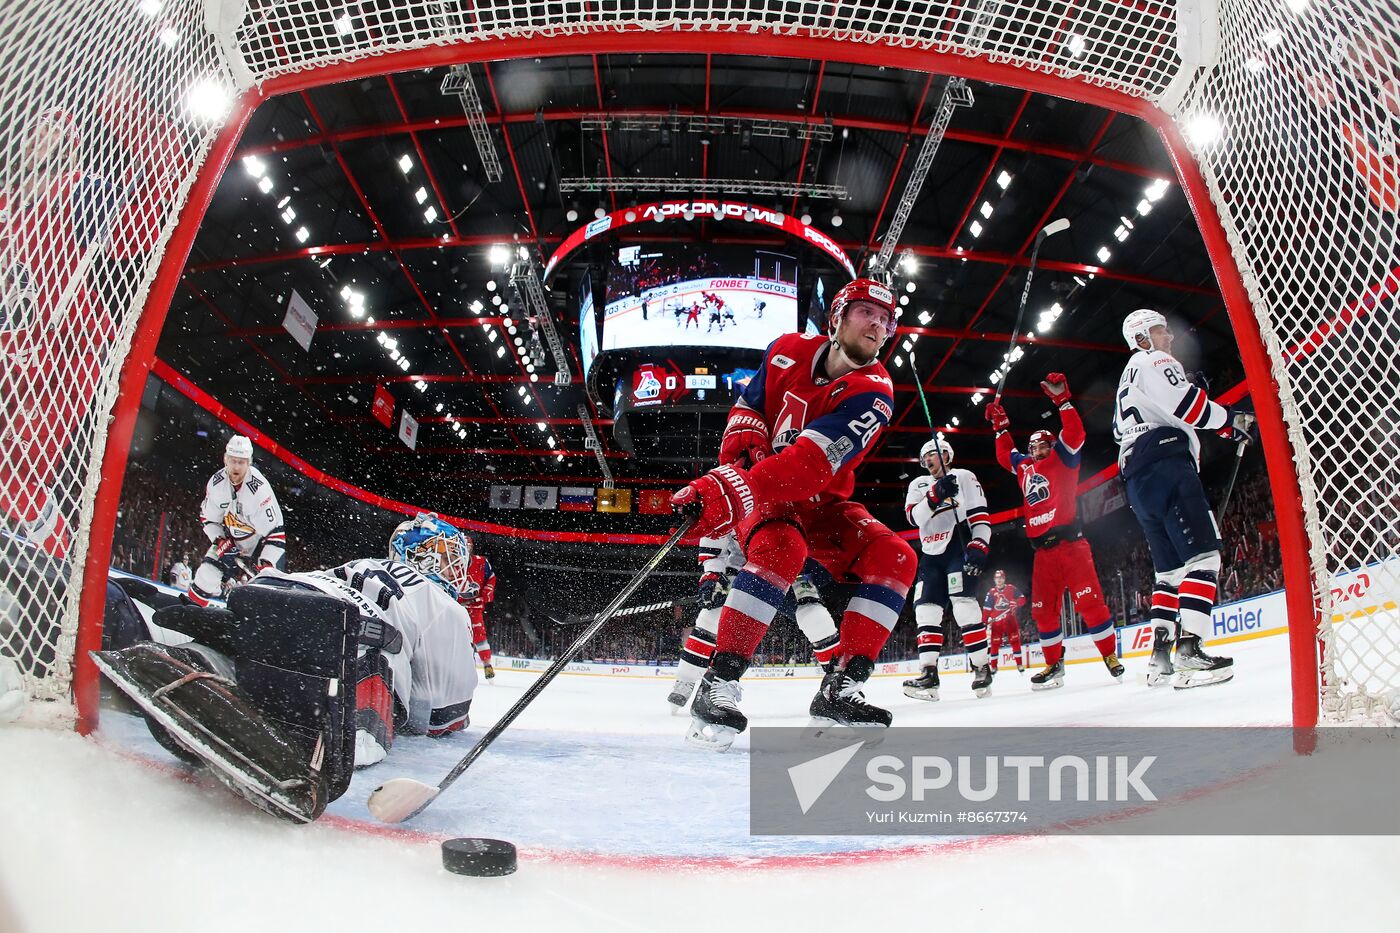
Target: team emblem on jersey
[
  {"x": 238, "y": 529},
  {"x": 791, "y": 420},
  {"x": 1036, "y": 488},
  {"x": 782, "y": 362}
]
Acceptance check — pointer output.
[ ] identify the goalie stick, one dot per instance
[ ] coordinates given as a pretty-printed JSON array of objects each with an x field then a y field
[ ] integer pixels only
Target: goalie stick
[{"x": 399, "y": 799}]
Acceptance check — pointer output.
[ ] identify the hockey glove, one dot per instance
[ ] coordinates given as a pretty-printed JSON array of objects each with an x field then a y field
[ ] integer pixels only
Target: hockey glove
[
  {"x": 714, "y": 587},
  {"x": 974, "y": 558},
  {"x": 745, "y": 441},
  {"x": 226, "y": 556},
  {"x": 1056, "y": 386},
  {"x": 1242, "y": 426},
  {"x": 997, "y": 416},
  {"x": 941, "y": 491},
  {"x": 719, "y": 500}
]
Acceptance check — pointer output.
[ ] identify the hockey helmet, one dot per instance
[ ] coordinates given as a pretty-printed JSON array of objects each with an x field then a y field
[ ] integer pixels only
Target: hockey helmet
[
  {"x": 1041, "y": 436},
  {"x": 927, "y": 457},
  {"x": 239, "y": 446},
  {"x": 435, "y": 549},
  {"x": 1138, "y": 326},
  {"x": 863, "y": 290}
]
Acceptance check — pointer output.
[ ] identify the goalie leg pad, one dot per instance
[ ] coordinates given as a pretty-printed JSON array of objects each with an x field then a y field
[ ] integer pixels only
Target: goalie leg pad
[{"x": 215, "y": 722}]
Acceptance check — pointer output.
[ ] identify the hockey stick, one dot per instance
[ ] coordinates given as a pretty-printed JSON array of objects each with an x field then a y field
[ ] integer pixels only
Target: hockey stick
[
  {"x": 1234, "y": 472},
  {"x": 399, "y": 799},
  {"x": 1049, "y": 230},
  {"x": 574, "y": 619}
]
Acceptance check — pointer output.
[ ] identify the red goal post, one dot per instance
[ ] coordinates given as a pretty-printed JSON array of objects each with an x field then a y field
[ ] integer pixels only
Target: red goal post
[{"x": 1286, "y": 169}]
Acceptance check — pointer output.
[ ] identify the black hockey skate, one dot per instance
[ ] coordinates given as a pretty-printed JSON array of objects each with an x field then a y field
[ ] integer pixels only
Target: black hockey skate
[
  {"x": 715, "y": 717},
  {"x": 923, "y": 687},
  {"x": 1159, "y": 666},
  {"x": 1051, "y": 677},
  {"x": 841, "y": 700},
  {"x": 1115, "y": 666},
  {"x": 982, "y": 681},
  {"x": 1195, "y": 668}
]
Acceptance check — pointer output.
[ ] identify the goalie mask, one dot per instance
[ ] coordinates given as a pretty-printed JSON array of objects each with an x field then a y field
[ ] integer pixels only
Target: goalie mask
[{"x": 435, "y": 549}]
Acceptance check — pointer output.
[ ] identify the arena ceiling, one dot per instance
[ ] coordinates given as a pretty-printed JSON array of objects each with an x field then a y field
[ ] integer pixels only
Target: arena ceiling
[{"x": 388, "y": 199}]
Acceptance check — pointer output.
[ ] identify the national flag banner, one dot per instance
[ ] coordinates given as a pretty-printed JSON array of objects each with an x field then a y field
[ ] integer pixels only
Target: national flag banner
[
  {"x": 383, "y": 407},
  {"x": 541, "y": 497},
  {"x": 505, "y": 497},
  {"x": 654, "y": 502},
  {"x": 408, "y": 430},
  {"x": 576, "y": 498},
  {"x": 614, "y": 500}
]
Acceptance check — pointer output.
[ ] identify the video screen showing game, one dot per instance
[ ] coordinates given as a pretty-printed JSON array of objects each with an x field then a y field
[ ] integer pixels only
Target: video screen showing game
[{"x": 701, "y": 296}]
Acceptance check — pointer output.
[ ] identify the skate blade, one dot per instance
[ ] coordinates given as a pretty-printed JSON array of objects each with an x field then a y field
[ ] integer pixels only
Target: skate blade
[
  {"x": 241, "y": 782},
  {"x": 1154, "y": 679},
  {"x": 1189, "y": 680},
  {"x": 1051, "y": 685},
  {"x": 914, "y": 693},
  {"x": 830, "y": 731},
  {"x": 983, "y": 692},
  {"x": 710, "y": 737}
]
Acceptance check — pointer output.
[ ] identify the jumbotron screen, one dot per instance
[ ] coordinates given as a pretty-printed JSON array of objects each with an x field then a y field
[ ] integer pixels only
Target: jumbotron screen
[{"x": 687, "y": 295}]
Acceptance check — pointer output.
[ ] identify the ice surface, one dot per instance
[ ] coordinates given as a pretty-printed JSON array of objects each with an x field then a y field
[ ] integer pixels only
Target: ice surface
[{"x": 621, "y": 826}]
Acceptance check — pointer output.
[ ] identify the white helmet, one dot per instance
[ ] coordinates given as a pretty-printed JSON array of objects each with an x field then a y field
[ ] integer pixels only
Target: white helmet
[
  {"x": 939, "y": 444},
  {"x": 239, "y": 446},
  {"x": 1139, "y": 324}
]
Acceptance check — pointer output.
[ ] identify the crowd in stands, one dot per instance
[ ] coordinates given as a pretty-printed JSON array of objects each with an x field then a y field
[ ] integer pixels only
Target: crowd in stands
[{"x": 655, "y": 271}]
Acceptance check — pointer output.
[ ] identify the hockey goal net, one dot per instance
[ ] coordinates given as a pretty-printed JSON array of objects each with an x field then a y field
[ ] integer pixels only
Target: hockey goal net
[{"x": 1281, "y": 116}]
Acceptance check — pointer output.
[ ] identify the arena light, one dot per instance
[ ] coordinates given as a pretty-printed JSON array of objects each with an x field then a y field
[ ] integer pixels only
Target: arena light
[
  {"x": 1204, "y": 129},
  {"x": 150, "y": 7},
  {"x": 1004, "y": 180},
  {"x": 498, "y": 255},
  {"x": 899, "y": 362},
  {"x": 421, "y": 195},
  {"x": 344, "y": 25},
  {"x": 208, "y": 100},
  {"x": 1273, "y": 38},
  {"x": 976, "y": 397},
  {"x": 289, "y": 215},
  {"x": 254, "y": 166},
  {"x": 405, "y": 163},
  {"x": 910, "y": 264},
  {"x": 925, "y": 317},
  {"x": 500, "y": 352},
  {"x": 1077, "y": 45},
  {"x": 571, "y": 215},
  {"x": 1157, "y": 190},
  {"x": 430, "y": 214},
  {"x": 975, "y": 229},
  {"x": 169, "y": 37},
  {"x": 1144, "y": 207},
  {"x": 520, "y": 390},
  {"x": 439, "y": 409},
  {"x": 1104, "y": 253},
  {"x": 550, "y": 439},
  {"x": 1255, "y": 64},
  {"x": 541, "y": 426},
  {"x": 986, "y": 209},
  {"x": 265, "y": 184},
  {"x": 534, "y": 378},
  {"x": 303, "y": 234},
  {"x": 476, "y": 306},
  {"x": 491, "y": 283}
]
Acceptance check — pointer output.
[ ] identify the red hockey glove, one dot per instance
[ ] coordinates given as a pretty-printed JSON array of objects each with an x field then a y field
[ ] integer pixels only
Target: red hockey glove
[
  {"x": 719, "y": 500},
  {"x": 997, "y": 416},
  {"x": 745, "y": 441},
  {"x": 1056, "y": 386},
  {"x": 974, "y": 558}
]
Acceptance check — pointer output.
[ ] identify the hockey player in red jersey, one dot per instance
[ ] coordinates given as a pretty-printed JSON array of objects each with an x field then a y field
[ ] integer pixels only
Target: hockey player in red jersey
[
  {"x": 479, "y": 590},
  {"x": 999, "y": 611},
  {"x": 56, "y": 221},
  {"x": 787, "y": 470},
  {"x": 1049, "y": 479}
]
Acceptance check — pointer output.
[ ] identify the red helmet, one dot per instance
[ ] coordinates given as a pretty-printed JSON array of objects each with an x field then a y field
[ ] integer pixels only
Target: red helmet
[
  {"x": 1041, "y": 435},
  {"x": 862, "y": 290}
]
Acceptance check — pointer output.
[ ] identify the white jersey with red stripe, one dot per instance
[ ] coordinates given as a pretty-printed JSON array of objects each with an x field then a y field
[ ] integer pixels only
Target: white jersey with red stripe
[
  {"x": 1154, "y": 393},
  {"x": 247, "y": 513},
  {"x": 936, "y": 525}
]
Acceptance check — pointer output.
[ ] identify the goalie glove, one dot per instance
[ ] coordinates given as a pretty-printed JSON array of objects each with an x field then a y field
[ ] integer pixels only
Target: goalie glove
[
  {"x": 997, "y": 416},
  {"x": 974, "y": 558},
  {"x": 719, "y": 501},
  {"x": 1056, "y": 386},
  {"x": 745, "y": 441}
]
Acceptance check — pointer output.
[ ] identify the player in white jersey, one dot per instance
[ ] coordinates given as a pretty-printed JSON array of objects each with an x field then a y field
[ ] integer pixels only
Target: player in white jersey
[
  {"x": 939, "y": 504},
  {"x": 180, "y": 575},
  {"x": 1155, "y": 421},
  {"x": 242, "y": 521},
  {"x": 259, "y": 695}
]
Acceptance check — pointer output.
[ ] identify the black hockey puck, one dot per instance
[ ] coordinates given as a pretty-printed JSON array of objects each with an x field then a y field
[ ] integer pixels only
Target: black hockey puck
[{"x": 482, "y": 858}]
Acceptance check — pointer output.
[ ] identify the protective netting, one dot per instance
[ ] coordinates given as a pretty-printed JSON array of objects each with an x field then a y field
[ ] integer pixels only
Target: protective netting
[{"x": 108, "y": 109}]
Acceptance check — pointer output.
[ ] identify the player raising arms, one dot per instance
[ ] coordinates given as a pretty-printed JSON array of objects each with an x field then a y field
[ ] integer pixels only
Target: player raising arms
[
  {"x": 1155, "y": 421},
  {"x": 477, "y": 591},
  {"x": 817, "y": 405},
  {"x": 1049, "y": 478},
  {"x": 937, "y": 504}
]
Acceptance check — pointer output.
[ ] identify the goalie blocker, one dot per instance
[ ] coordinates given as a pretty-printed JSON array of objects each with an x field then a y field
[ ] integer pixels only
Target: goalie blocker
[{"x": 265, "y": 696}]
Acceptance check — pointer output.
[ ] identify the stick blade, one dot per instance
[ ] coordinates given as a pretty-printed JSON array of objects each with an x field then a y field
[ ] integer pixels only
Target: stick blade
[
  {"x": 396, "y": 800},
  {"x": 1055, "y": 226}
]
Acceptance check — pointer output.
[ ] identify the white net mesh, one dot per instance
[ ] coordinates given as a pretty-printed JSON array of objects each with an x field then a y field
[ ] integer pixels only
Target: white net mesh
[{"x": 108, "y": 109}]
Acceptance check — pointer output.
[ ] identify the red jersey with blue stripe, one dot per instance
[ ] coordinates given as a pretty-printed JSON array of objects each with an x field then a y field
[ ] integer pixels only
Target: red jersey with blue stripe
[
  {"x": 1050, "y": 487},
  {"x": 841, "y": 416}
]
